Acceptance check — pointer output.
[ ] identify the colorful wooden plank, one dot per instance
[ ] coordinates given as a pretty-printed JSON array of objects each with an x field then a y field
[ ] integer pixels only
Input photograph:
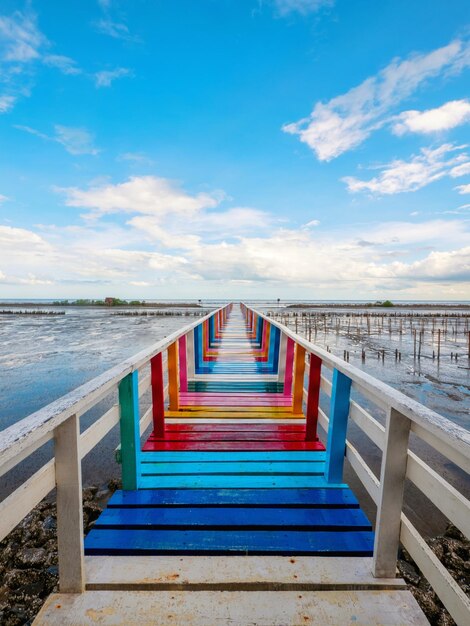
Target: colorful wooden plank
[
  {"x": 352, "y": 543},
  {"x": 339, "y": 520},
  {"x": 286, "y": 498}
]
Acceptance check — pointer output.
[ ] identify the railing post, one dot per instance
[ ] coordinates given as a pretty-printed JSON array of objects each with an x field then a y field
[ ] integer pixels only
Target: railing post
[
  {"x": 173, "y": 376},
  {"x": 337, "y": 428},
  {"x": 289, "y": 366},
  {"x": 299, "y": 373},
  {"x": 313, "y": 398},
  {"x": 190, "y": 362},
  {"x": 68, "y": 473},
  {"x": 281, "y": 368},
  {"x": 392, "y": 483},
  {"x": 158, "y": 395},
  {"x": 130, "y": 430},
  {"x": 183, "y": 370}
]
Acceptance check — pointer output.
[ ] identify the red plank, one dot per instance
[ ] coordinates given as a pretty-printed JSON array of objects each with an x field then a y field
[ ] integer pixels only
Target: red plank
[{"x": 227, "y": 446}]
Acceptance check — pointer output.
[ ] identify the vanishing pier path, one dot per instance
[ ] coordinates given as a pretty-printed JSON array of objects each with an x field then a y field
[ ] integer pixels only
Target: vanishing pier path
[{"x": 233, "y": 511}]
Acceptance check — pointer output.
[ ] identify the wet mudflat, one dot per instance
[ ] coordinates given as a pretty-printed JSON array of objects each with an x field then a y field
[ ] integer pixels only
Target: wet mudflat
[{"x": 45, "y": 357}]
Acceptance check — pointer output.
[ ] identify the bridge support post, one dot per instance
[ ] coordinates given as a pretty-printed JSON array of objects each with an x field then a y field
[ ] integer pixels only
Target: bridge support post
[
  {"x": 392, "y": 483},
  {"x": 336, "y": 441},
  {"x": 68, "y": 473},
  {"x": 130, "y": 430}
]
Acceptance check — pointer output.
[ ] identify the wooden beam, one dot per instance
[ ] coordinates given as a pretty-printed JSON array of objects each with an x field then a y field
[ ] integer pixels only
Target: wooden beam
[
  {"x": 314, "y": 379},
  {"x": 130, "y": 435},
  {"x": 158, "y": 395},
  {"x": 68, "y": 471},
  {"x": 392, "y": 483},
  {"x": 337, "y": 428},
  {"x": 299, "y": 372},
  {"x": 173, "y": 376}
]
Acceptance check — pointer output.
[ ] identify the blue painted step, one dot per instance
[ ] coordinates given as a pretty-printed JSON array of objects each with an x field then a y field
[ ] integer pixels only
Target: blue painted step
[
  {"x": 226, "y": 518},
  {"x": 296, "y": 498},
  {"x": 256, "y": 542}
]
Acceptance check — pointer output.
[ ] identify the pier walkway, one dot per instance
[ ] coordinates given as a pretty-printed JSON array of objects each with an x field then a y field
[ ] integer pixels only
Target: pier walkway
[{"x": 233, "y": 510}]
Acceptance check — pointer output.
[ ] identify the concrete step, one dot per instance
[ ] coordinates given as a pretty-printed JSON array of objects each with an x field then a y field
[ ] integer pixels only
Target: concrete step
[
  {"x": 230, "y": 573},
  {"x": 240, "y": 608}
]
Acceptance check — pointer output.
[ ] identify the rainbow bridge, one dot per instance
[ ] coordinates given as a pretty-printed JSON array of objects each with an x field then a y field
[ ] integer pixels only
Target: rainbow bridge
[{"x": 234, "y": 510}]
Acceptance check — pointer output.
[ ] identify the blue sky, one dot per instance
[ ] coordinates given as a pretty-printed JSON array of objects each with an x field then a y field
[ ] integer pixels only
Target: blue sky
[{"x": 235, "y": 148}]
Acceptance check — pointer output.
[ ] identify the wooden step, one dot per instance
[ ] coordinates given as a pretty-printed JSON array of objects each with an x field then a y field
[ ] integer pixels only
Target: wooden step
[
  {"x": 234, "y": 573},
  {"x": 217, "y": 608}
]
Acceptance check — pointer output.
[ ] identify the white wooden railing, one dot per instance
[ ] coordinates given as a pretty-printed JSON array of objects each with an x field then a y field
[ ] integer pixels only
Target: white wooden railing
[
  {"x": 60, "y": 422},
  {"x": 403, "y": 416}
]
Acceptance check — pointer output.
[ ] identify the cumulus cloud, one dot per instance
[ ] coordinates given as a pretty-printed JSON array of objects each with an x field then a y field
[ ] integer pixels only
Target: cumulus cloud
[
  {"x": 430, "y": 252},
  {"x": 442, "y": 118},
  {"x": 400, "y": 176},
  {"x": 345, "y": 121},
  {"x": 463, "y": 189},
  {"x": 150, "y": 195}
]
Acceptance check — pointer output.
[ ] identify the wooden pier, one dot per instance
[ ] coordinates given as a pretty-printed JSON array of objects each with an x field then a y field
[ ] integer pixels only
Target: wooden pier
[{"x": 233, "y": 509}]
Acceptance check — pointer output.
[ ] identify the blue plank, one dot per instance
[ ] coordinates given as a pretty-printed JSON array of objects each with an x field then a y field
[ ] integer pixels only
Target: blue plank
[
  {"x": 228, "y": 518},
  {"x": 236, "y": 482},
  {"x": 251, "y": 468},
  {"x": 302, "y": 498},
  {"x": 300, "y": 543}
]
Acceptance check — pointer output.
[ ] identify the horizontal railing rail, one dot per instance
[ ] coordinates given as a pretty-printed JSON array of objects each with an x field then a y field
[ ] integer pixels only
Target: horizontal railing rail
[
  {"x": 59, "y": 421},
  {"x": 403, "y": 416}
]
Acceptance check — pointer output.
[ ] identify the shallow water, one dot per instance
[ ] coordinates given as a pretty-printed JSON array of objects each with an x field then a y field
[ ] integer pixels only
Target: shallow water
[{"x": 44, "y": 357}]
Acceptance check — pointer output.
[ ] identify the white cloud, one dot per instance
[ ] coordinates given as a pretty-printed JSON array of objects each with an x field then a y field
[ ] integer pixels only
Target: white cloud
[
  {"x": 347, "y": 120},
  {"x": 112, "y": 24},
  {"x": 22, "y": 48},
  {"x": 20, "y": 38},
  {"x": 65, "y": 64},
  {"x": 401, "y": 176},
  {"x": 445, "y": 117},
  {"x": 450, "y": 266},
  {"x": 12, "y": 239},
  {"x": 460, "y": 170},
  {"x": 135, "y": 157},
  {"x": 432, "y": 252},
  {"x": 3, "y": 198},
  {"x": 106, "y": 77},
  {"x": 285, "y": 7},
  {"x": 311, "y": 224},
  {"x": 118, "y": 30},
  {"x": 7, "y": 103},
  {"x": 75, "y": 140},
  {"x": 149, "y": 195},
  {"x": 463, "y": 189}
]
